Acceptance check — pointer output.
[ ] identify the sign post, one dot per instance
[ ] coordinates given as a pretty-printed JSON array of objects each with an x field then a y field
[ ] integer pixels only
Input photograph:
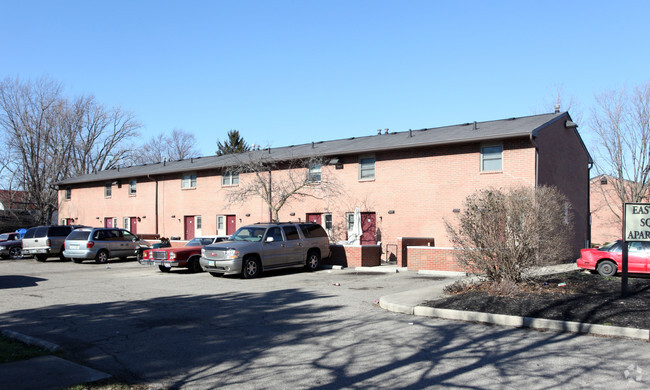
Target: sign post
[{"x": 636, "y": 227}]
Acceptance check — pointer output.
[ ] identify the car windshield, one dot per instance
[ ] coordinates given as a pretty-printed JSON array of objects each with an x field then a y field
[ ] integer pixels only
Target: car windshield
[
  {"x": 200, "y": 241},
  {"x": 4, "y": 237},
  {"x": 253, "y": 234}
]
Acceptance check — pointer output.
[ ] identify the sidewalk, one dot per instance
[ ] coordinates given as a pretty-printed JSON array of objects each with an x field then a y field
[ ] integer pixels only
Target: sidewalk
[{"x": 408, "y": 302}]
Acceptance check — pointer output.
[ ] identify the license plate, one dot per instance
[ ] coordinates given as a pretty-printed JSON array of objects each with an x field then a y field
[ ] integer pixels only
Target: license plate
[
  {"x": 74, "y": 246},
  {"x": 168, "y": 265},
  {"x": 211, "y": 263}
]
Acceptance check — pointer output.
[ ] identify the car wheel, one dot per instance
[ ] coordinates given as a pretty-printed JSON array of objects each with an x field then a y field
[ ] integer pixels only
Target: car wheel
[
  {"x": 16, "y": 253},
  {"x": 216, "y": 274},
  {"x": 250, "y": 268},
  {"x": 193, "y": 265},
  {"x": 607, "y": 268},
  {"x": 101, "y": 257},
  {"x": 77, "y": 261},
  {"x": 313, "y": 261},
  {"x": 41, "y": 257},
  {"x": 162, "y": 268}
]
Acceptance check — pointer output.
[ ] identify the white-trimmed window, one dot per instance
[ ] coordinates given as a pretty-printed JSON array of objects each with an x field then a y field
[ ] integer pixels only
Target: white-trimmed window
[
  {"x": 126, "y": 221},
  {"x": 314, "y": 173},
  {"x": 230, "y": 179},
  {"x": 133, "y": 187},
  {"x": 349, "y": 219},
  {"x": 491, "y": 158},
  {"x": 108, "y": 190},
  {"x": 188, "y": 180},
  {"x": 197, "y": 225},
  {"x": 366, "y": 167}
]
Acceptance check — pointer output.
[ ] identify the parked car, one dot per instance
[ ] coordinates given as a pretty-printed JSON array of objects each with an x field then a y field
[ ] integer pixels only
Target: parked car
[
  {"x": 9, "y": 236},
  {"x": 100, "y": 244},
  {"x": 608, "y": 260},
  {"x": 11, "y": 246},
  {"x": 140, "y": 249},
  {"x": 186, "y": 256},
  {"x": 46, "y": 241},
  {"x": 257, "y": 248}
]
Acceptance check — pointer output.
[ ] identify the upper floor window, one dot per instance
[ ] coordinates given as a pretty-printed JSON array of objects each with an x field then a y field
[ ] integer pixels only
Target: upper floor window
[
  {"x": 189, "y": 180},
  {"x": 367, "y": 168},
  {"x": 492, "y": 158},
  {"x": 108, "y": 190},
  {"x": 230, "y": 179},
  {"x": 314, "y": 173},
  {"x": 68, "y": 193},
  {"x": 132, "y": 187}
]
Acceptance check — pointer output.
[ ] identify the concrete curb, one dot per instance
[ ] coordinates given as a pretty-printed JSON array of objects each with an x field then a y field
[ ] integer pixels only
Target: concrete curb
[
  {"x": 533, "y": 323},
  {"x": 31, "y": 340}
]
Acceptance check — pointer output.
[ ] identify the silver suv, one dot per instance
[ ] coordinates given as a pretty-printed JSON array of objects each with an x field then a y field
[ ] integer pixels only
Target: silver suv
[
  {"x": 45, "y": 241},
  {"x": 262, "y": 247},
  {"x": 101, "y": 244}
]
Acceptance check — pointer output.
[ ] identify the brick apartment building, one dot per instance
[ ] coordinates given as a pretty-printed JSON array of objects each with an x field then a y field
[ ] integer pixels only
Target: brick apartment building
[{"x": 406, "y": 185}]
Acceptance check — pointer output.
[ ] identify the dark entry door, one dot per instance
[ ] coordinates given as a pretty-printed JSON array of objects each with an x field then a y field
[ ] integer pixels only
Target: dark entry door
[
  {"x": 108, "y": 222},
  {"x": 231, "y": 224},
  {"x": 189, "y": 227},
  {"x": 369, "y": 229},
  {"x": 316, "y": 218},
  {"x": 133, "y": 228}
]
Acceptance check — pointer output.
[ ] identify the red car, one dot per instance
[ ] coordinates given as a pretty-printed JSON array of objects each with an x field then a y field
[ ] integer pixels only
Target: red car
[
  {"x": 186, "y": 256},
  {"x": 608, "y": 260}
]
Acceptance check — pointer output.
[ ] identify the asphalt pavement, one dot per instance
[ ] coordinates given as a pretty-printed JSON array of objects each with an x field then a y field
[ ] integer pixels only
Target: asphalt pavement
[{"x": 52, "y": 372}]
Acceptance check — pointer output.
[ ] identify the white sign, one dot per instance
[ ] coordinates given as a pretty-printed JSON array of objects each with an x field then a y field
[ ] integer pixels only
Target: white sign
[{"x": 636, "y": 222}]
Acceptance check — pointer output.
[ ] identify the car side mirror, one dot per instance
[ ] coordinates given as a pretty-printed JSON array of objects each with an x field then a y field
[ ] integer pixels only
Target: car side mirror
[{"x": 269, "y": 239}]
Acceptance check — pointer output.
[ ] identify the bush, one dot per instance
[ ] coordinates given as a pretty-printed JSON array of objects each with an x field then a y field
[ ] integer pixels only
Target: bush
[{"x": 503, "y": 234}]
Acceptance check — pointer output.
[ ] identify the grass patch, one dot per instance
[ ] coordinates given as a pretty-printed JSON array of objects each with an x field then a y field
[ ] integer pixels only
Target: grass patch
[{"x": 12, "y": 350}]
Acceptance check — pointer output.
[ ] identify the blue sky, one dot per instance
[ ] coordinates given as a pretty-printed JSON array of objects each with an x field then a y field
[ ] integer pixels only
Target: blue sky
[{"x": 292, "y": 72}]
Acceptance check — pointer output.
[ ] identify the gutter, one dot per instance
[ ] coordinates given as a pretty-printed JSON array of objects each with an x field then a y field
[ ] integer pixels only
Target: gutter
[{"x": 155, "y": 203}]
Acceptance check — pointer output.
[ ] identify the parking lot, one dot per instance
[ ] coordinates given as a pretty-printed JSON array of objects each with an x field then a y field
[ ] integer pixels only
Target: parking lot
[{"x": 288, "y": 329}]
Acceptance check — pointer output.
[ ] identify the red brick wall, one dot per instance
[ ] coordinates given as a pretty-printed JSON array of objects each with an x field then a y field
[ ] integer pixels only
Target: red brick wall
[
  {"x": 354, "y": 255},
  {"x": 404, "y": 242},
  {"x": 413, "y": 193},
  {"x": 432, "y": 258},
  {"x": 564, "y": 163}
]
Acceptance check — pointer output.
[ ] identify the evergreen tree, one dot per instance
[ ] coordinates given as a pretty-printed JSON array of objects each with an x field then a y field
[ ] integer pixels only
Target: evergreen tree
[{"x": 234, "y": 144}]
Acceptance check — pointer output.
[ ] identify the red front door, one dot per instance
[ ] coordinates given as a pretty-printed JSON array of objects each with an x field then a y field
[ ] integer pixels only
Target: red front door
[
  {"x": 316, "y": 218},
  {"x": 189, "y": 227},
  {"x": 108, "y": 222},
  {"x": 369, "y": 229},
  {"x": 69, "y": 221},
  {"x": 231, "y": 225},
  {"x": 134, "y": 225}
]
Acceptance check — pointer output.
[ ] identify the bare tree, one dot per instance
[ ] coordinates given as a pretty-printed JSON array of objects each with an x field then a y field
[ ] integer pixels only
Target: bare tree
[
  {"x": 180, "y": 145},
  {"x": 51, "y": 138},
  {"x": 500, "y": 235},
  {"x": 621, "y": 122},
  {"x": 99, "y": 136},
  {"x": 278, "y": 182}
]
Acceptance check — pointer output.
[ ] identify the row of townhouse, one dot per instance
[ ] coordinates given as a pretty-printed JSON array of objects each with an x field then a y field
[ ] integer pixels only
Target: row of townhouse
[{"x": 406, "y": 184}]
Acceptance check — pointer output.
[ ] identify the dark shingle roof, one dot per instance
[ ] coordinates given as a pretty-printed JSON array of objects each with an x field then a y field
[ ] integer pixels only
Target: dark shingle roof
[{"x": 463, "y": 133}]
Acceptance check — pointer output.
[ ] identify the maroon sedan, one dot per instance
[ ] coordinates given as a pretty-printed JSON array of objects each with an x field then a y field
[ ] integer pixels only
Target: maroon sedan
[
  {"x": 186, "y": 256},
  {"x": 608, "y": 260}
]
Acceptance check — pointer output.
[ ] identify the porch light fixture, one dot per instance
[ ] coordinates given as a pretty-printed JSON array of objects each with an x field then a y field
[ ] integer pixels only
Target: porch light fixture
[
  {"x": 173, "y": 216},
  {"x": 391, "y": 211},
  {"x": 292, "y": 214},
  {"x": 248, "y": 214},
  {"x": 456, "y": 210}
]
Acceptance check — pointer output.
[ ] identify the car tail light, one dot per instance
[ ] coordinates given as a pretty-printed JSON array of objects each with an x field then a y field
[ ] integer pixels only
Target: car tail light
[
  {"x": 90, "y": 244},
  {"x": 48, "y": 242}
]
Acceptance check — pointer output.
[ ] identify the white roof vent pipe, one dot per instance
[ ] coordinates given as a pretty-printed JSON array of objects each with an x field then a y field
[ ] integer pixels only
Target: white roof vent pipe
[{"x": 557, "y": 108}]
